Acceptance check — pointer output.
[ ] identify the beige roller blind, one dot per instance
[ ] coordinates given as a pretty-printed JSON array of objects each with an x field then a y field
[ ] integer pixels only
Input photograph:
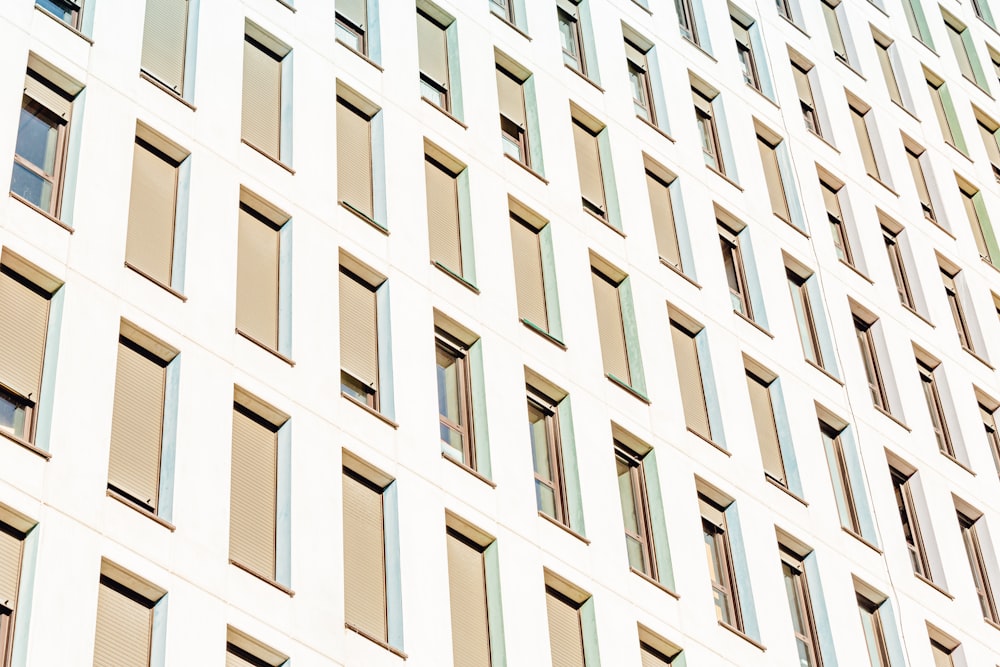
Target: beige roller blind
[
  {"x": 22, "y": 334},
  {"x": 663, "y": 220},
  {"x": 257, "y": 286},
  {"x": 565, "y": 631},
  {"x": 528, "y": 276},
  {"x": 689, "y": 377},
  {"x": 432, "y": 45},
  {"x": 652, "y": 657},
  {"x": 610, "y": 327},
  {"x": 10, "y": 566},
  {"x": 588, "y": 162},
  {"x": 253, "y": 495},
  {"x": 885, "y": 61},
  {"x": 152, "y": 209},
  {"x": 772, "y": 176},
  {"x": 864, "y": 141},
  {"x": 969, "y": 201},
  {"x": 833, "y": 27},
  {"x": 802, "y": 84},
  {"x": 767, "y": 430},
  {"x": 137, "y": 425},
  {"x": 511, "y": 94},
  {"x": 355, "y": 10},
  {"x": 635, "y": 55},
  {"x": 261, "y": 98},
  {"x": 124, "y": 629},
  {"x": 354, "y": 158},
  {"x": 364, "y": 558},
  {"x": 358, "y": 329},
  {"x": 164, "y": 41},
  {"x": 40, "y": 90},
  {"x": 442, "y": 216},
  {"x": 831, "y": 199},
  {"x": 233, "y": 660},
  {"x": 990, "y": 141},
  {"x": 470, "y": 633}
]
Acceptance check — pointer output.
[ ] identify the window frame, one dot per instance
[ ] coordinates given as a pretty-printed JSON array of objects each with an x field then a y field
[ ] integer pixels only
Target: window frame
[
  {"x": 935, "y": 408},
  {"x": 869, "y": 359},
  {"x": 756, "y": 377},
  {"x": 354, "y": 387},
  {"x": 686, "y": 21},
  {"x": 837, "y": 223},
  {"x": 571, "y": 19},
  {"x": 913, "y": 156},
  {"x": 873, "y": 611},
  {"x": 831, "y": 15},
  {"x": 61, "y": 124},
  {"x": 511, "y": 133},
  {"x": 75, "y": 9},
  {"x": 810, "y": 110},
  {"x": 866, "y": 146},
  {"x": 801, "y": 301},
  {"x": 977, "y": 566},
  {"x": 711, "y": 143},
  {"x": 951, "y": 291},
  {"x": 897, "y": 266},
  {"x": 459, "y": 353},
  {"x": 639, "y": 77},
  {"x": 442, "y": 88},
  {"x": 800, "y": 604},
  {"x": 732, "y": 255},
  {"x": 883, "y": 46},
  {"x": 842, "y": 478},
  {"x": 745, "y": 53},
  {"x": 549, "y": 411},
  {"x": 992, "y": 432},
  {"x": 717, "y": 532},
  {"x": 640, "y": 505},
  {"x": 908, "y": 517},
  {"x": 359, "y": 32}
]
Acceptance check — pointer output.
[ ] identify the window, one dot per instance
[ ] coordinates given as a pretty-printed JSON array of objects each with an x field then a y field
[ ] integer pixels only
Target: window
[
  {"x": 352, "y": 24},
  {"x": 810, "y": 113},
  {"x": 841, "y": 478},
  {"x": 962, "y": 45},
  {"x": 766, "y": 427},
  {"x": 732, "y": 262},
  {"x": 588, "y": 162},
  {"x": 951, "y": 292},
  {"x": 40, "y": 152},
  {"x": 126, "y": 607},
  {"x": 784, "y": 8},
  {"x": 355, "y": 162},
  {"x": 359, "y": 344},
  {"x": 720, "y": 566},
  {"x": 975, "y": 209},
  {"x": 872, "y": 627},
  {"x": 11, "y": 555},
  {"x": 153, "y": 221},
  {"x": 943, "y": 655},
  {"x": 945, "y": 112},
  {"x": 635, "y": 510},
  {"x": 883, "y": 49},
  {"x": 444, "y": 180},
  {"x": 259, "y": 287},
  {"x": 513, "y": 118},
  {"x": 914, "y": 156},
  {"x": 689, "y": 375},
  {"x": 244, "y": 651},
  {"x": 656, "y": 651},
  {"x": 454, "y": 388},
  {"x": 536, "y": 301},
  {"x": 744, "y": 51},
  {"x": 686, "y": 20},
  {"x": 988, "y": 414},
  {"x": 69, "y": 12},
  {"x": 468, "y": 581},
  {"x": 898, "y": 267},
  {"x": 164, "y": 42},
  {"x": 768, "y": 146},
  {"x": 547, "y": 457},
  {"x": 831, "y": 16},
  {"x": 639, "y": 78},
  {"x": 254, "y": 533},
  {"x": 988, "y": 129},
  {"x": 504, "y": 9},
  {"x": 571, "y": 35},
  {"x": 935, "y": 407},
  {"x": 977, "y": 8},
  {"x": 793, "y": 570},
  {"x": 708, "y": 129},
  {"x": 995, "y": 59},
  {"x": 265, "y": 87},
  {"x": 432, "y": 52},
  {"x": 611, "y": 325},
  {"x": 866, "y": 343},
  {"x": 861, "y": 119},
  {"x": 901, "y": 486},
  {"x": 802, "y": 307},
  {"x": 566, "y": 607},
  {"x": 664, "y": 224},
  {"x": 917, "y": 21},
  {"x": 977, "y": 564},
  {"x": 365, "y": 607}
]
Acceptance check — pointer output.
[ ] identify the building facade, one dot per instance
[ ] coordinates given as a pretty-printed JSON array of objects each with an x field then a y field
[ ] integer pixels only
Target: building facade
[{"x": 705, "y": 293}]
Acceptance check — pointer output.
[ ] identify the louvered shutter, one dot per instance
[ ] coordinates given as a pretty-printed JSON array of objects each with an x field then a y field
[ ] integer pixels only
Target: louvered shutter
[
  {"x": 137, "y": 426},
  {"x": 164, "y": 41},
  {"x": 364, "y": 558},
  {"x": 261, "y": 98},
  {"x": 10, "y": 567},
  {"x": 588, "y": 162},
  {"x": 772, "y": 177},
  {"x": 253, "y": 499},
  {"x": 257, "y": 288},
  {"x": 358, "y": 330},
  {"x": 124, "y": 630},
  {"x": 432, "y": 45},
  {"x": 767, "y": 431},
  {"x": 528, "y": 277},
  {"x": 152, "y": 210},
  {"x": 689, "y": 377},
  {"x": 23, "y": 327},
  {"x": 47, "y": 95},
  {"x": 652, "y": 658},
  {"x": 565, "y": 631},
  {"x": 511, "y": 97},
  {"x": 470, "y": 636},
  {"x": 442, "y": 216},
  {"x": 610, "y": 327},
  {"x": 354, "y": 159}
]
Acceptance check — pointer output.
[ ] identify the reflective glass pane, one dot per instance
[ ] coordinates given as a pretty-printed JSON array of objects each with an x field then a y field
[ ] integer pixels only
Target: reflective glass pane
[
  {"x": 37, "y": 137},
  {"x": 32, "y": 187},
  {"x": 539, "y": 442},
  {"x": 545, "y": 497},
  {"x": 627, "y": 496},
  {"x": 12, "y": 417}
]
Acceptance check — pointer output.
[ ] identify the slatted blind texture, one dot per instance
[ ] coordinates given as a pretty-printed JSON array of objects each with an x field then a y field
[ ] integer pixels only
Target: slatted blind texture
[
  {"x": 511, "y": 95},
  {"x": 588, "y": 162},
  {"x": 358, "y": 330},
  {"x": 652, "y": 658},
  {"x": 442, "y": 216},
  {"x": 772, "y": 176},
  {"x": 767, "y": 430},
  {"x": 253, "y": 495},
  {"x": 354, "y": 159},
  {"x": 689, "y": 377},
  {"x": 864, "y": 141},
  {"x": 124, "y": 630},
  {"x": 364, "y": 558},
  {"x": 663, "y": 220},
  {"x": 528, "y": 277},
  {"x": 610, "y": 327},
  {"x": 356, "y": 10},
  {"x": 257, "y": 289},
  {"x": 137, "y": 425},
  {"x": 22, "y": 335},
  {"x": 470, "y": 635},
  {"x": 152, "y": 209},
  {"x": 164, "y": 41},
  {"x": 261, "y": 98},
  {"x": 432, "y": 49},
  {"x": 47, "y": 95},
  {"x": 10, "y": 567},
  {"x": 565, "y": 631}
]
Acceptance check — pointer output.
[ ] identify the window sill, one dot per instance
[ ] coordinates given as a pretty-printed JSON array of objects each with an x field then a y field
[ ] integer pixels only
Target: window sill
[
  {"x": 784, "y": 489},
  {"x": 447, "y": 113},
  {"x": 511, "y": 26},
  {"x": 856, "y": 271},
  {"x": 944, "y": 229},
  {"x": 584, "y": 77},
  {"x": 918, "y": 315},
  {"x": 974, "y": 355},
  {"x": 159, "y": 85},
  {"x": 564, "y": 528},
  {"x": 679, "y": 271},
  {"x": 543, "y": 333},
  {"x": 361, "y": 55},
  {"x": 960, "y": 464},
  {"x": 141, "y": 510},
  {"x": 649, "y": 580},
  {"x": 370, "y": 410},
  {"x": 724, "y": 177},
  {"x": 58, "y": 20},
  {"x": 27, "y": 445},
  {"x": 375, "y": 640},
  {"x": 753, "y": 324},
  {"x": 41, "y": 212},
  {"x": 892, "y": 417},
  {"x": 793, "y": 24},
  {"x": 884, "y": 185},
  {"x": 742, "y": 635},
  {"x": 980, "y": 87},
  {"x": 862, "y": 540},
  {"x": 156, "y": 282},
  {"x": 699, "y": 47},
  {"x": 635, "y": 392},
  {"x": 454, "y": 276},
  {"x": 825, "y": 372},
  {"x": 934, "y": 586},
  {"x": 265, "y": 347},
  {"x": 993, "y": 624},
  {"x": 287, "y": 5},
  {"x": 709, "y": 441},
  {"x": 643, "y": 8},
  {"x": 850, "y": 66},
  {"x": 371, "y": 221},
  {"x": 267, "y": 580},
  {"x": 660, "y": 131},
  {"x": 824, "y": 140},
  {"x": 605, "y": 222},
  {"x": 958, "y": 150},
  {"x": 472, "y": 471},
  {"x": 908, "y": 112},
  {"x": 760, "y": 92},
  {"x": 273, "y": 159},
  {"x": 527, "y": 169}
]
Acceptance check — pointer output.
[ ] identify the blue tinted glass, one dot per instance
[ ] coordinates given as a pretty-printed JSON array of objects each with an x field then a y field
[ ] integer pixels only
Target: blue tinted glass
[
  {"x": 37, "y": 136},
  {"x": 31, "y": 187},
  {"x": 62, "y": 10}
]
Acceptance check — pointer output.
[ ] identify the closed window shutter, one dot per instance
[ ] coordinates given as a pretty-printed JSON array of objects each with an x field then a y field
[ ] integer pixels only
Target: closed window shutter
[
  {"x": 772, "y": 176},
  {"x": 588, "y": 162},
  {"x": 257, "y": 279},
  {"x": 653, "y": 658},
  {"x": 767, "y": 431},
  {"x": 565, "y": 631},
  {"x": 261, "y": 98},
  {"x": 358, "y": 330},
  {"x": 470, "y": 635},
  {"x": 137, "y": 425},
  {"x": 610, "y": 327},
  {"x": 354, "y": 159},
  {"x": 253, "y": 499},
  {"x": 22, "y": 334},
  {"x": 124, "y": 629},
  {"x": 152, "y": 211},
  {"x": 511, "y": 97},
  {"x": 364, "y": 558},
  {"x": 689, "y": 377},
  {"x": 663, "y": 220},
  {"x": 528, "y": 275},
  {"x": 442, "y": 216},
  {"x": 432, "y": 45},
  {"x": 164, "y": 41},
  {"x": 47, "y": 95},
  {"x": 10, "y": 567}
]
